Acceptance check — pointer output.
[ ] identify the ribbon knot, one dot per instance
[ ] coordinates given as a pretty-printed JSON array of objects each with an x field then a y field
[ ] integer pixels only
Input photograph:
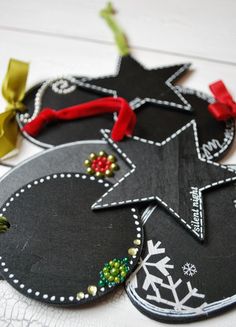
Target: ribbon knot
[
  {"x": 225, "y": 107},
  {"x": 124, "y": 125},
  {"x": 13, "y": 91}
]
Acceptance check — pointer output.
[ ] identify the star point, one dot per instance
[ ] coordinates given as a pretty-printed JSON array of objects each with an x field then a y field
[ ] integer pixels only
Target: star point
[{"x": 171, "y": 173}]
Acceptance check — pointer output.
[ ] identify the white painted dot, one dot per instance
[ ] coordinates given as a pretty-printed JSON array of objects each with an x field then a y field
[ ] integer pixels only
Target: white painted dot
[
  {"x": 11, "y": 276},
  {"x": 84, "y": 177},
  {"x": 29, "y": 290},
  {"x": 136, "y": 222},
  {"x": 53, "y": 298},
  {"x": 100, "y": 181},
  {"x": 3, "y": 264},
  {"x": 102, "y": 289},
  {"x": 45, "y": 296},
  {"x": 15, "y": 281},
  {"x": 29, "y": 185},
  {"x": 62, "y": 175},
  {"x": 11, "y": 199},
  {"x": 62, "y": 299},
  {"x": 133, "y": 209},
  {"x": 135, "y": 216},
  {"x": 7, "y": 204},
  {"x": 41, "y": 180},
  {"x": 138, "y": 235},
  {"x": 138, "y": 229},
  {"x": 131, "y": 262},
  {"x": 22, "y": 190},
  {"x": 1, "y": 214},
  {"x": 68, "y": 175},
  {"x": 106, "y": 185},
  {"x": 48, "y": 178},
  {"x": 86, "y": 296},
  {"x": 92, "y": 178},
  {"x": 37, "y": 293},
  {"x": 77, "y": 175},
  {"x": 6, "y": 269},
  {"x": 22, "y": 285},
  {"x": 54, "y": 176},
  {"x": 0, "y": 258},
  {"x": 4, "y": 209},
  {"x": 71, "y": 298},
  {"x": 36, "y": 182}
]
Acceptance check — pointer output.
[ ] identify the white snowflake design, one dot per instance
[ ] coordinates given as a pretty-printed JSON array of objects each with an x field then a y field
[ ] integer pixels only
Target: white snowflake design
[
  {"x": 158, "y": 282},
  {"x": 189, "y": 269}
]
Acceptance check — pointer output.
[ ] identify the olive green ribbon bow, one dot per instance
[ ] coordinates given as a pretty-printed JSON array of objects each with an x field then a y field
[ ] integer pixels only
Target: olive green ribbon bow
[{"x": 13, "y": 91}]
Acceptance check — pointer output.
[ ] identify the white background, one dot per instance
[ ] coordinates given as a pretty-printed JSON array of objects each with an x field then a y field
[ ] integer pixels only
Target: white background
[{"x": 68, "y": 37}]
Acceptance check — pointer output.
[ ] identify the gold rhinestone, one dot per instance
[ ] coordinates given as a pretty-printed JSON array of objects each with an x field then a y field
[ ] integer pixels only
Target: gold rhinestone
[
  {"x": 114, "y": 166},
  {"x": 87, "y": 163},
  {"x": 111, "y": 158},
  {"x": 137, "y": 242},
  {"x": 99, "y": 174},
  {"x": 90, "y": 171},
  {"x": 92, "y": 290},
  {"x": 80, "y": 296},
  {"x": 102, "y": 154},
  {"x": 132, "y": 251},
  {"x": 108, "y": 173},
  {"x": 92, "y": 156}
]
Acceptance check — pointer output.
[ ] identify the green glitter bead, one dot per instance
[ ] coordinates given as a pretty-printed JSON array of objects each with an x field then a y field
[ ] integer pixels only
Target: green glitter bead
[
  {"x": 117, "y": 264},
  {"x": 111, "y": 263},
  {"x": 114, "y": 272},
  {"x": 106, "y": 274},
  {"x": 123, "y": 273},
  {"x": 110, "y": 278},
  {"x": 101, "y": 283},
  {"x": 117, "y": 280},
  {"x": 105, "y": 269},
  {"x": 125, "y": 260}
]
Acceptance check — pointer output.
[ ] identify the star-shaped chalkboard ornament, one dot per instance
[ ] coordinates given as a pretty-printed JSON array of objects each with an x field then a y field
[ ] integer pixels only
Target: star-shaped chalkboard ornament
[
  {"x": 171, "y": 173},
  {"x": 139, "y": 85}
]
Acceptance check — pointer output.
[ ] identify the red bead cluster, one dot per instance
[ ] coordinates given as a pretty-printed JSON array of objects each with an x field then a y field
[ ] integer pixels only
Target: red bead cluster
[{"x": 101, "y": 164}]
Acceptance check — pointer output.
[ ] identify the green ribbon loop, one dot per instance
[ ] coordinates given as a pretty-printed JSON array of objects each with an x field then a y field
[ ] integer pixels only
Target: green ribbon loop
[
  {"x": 13, "y": 91},
  {"x": 119, "y": 35}
]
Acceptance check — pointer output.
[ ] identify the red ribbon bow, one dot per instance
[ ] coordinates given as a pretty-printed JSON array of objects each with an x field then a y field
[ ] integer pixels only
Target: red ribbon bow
[
  {"x": 123, "y": 126},
  {"x": 225, "y": 107}
]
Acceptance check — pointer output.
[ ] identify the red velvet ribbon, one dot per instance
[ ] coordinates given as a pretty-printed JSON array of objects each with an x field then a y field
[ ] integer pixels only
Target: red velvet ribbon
[
  {"x": 224, "y": 108},
  {"x": 123, "y": 126}
]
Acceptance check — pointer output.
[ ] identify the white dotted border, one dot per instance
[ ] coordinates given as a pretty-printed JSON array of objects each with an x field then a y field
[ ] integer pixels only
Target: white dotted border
[
  {"x": 137, "y": 102},
  {"x": 229, "y": 130},
  {"x": 52, "y": 298},
  {"x": 192, "y": 124}
]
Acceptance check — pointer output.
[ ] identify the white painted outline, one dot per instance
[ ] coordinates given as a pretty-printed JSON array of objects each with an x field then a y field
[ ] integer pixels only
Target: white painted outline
[
  {"x": 192, "y": 124},
  {"x": 140, "y": 102},
  {"x": 29, "y": 186}
]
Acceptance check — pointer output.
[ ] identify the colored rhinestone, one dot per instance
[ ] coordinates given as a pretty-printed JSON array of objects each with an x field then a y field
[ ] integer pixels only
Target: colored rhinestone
[
  {"x": 114, "y": 272},
  {"x": 87, "y": 163},
  {"x": 92, "y": 156},
  {"x": 101, "y": 164},
  {"x": 111, "y": 158},
  {"x": 92, "y": 290},
  {"x": 132, "y": 251},
  {"x": 137, "y": 242},
  {"x": 80, "y": 296}
]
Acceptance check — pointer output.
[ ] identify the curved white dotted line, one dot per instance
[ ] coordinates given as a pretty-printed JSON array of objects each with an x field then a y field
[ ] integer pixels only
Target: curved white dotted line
[
  {"x": 16, "y": 281},
  {"x": 96, "y": 205}
]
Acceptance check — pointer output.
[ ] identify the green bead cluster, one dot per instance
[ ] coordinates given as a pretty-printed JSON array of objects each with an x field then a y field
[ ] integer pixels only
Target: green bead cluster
[{"x": 114, "y": 272}]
